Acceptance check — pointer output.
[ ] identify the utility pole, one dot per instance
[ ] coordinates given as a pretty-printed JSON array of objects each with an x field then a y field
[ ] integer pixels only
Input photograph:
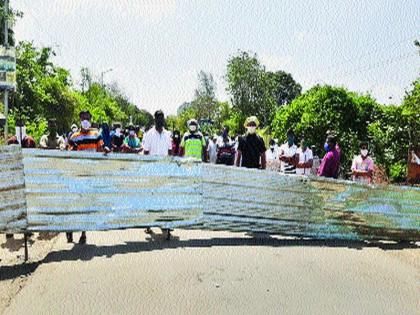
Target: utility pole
[{"x": 6, "y": 45}]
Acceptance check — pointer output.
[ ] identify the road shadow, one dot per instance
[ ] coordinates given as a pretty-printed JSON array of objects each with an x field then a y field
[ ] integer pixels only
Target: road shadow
[
  {"x": 156, "y": 242},
  {"x": 16, "y": 244}
]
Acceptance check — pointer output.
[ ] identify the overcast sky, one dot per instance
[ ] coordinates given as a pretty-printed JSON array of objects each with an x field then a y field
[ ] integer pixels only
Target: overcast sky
[{"x": 157, "y": 47}]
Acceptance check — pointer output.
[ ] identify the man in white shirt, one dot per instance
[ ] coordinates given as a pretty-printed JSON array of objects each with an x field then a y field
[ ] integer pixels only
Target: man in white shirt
[
  {"x": 272, "y": 156},
  {"x": 157, "y": 141},
  {"x": 212, "y": 150},
  {"x": 288, "y": 154},
  {"x": 304, "y": 159}
]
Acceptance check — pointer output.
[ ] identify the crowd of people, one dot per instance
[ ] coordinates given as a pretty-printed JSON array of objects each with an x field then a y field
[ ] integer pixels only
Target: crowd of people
[{"x": 247, "y": 150}]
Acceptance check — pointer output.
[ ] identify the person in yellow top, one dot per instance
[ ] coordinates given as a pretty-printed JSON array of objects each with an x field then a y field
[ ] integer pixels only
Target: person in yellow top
[{"x": 193, "y": 143}]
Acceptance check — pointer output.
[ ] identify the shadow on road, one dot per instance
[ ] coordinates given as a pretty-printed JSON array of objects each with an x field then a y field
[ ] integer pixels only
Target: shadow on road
[{"x": 157, "y": 242}]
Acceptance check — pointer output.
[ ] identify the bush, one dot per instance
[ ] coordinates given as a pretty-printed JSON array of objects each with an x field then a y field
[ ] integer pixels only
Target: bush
[{"x": 324, "y": 108}]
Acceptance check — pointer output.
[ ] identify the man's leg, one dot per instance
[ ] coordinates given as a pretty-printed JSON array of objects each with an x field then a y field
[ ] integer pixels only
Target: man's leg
[
  {"x": 69, "y": 237},
  {"x": 82, "y": 239}
]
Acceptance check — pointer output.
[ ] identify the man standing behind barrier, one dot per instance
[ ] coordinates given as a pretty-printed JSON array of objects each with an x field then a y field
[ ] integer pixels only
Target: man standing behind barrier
[
  {"x": 52, "y": 140},
  {"x": 362, "y": 166},
  {"x": 157, "y": 141},
  {"x": 304, "y": 158},
  {"x": 212, "y": 150},
  {"x": 193, "y": 142},
  {"x": 87, "y": 139},
  {"x": 251, "y": 147},
  {"x": 288, "y": 154},
  {"x": 117, "y": 138},
  {"x": 330, "y": 164}
]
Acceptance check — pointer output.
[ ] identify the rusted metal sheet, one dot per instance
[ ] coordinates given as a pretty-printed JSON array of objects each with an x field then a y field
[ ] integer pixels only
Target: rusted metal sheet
[
  {"x": 70, "y": 191},
  {"x": 12, "y": 190}
]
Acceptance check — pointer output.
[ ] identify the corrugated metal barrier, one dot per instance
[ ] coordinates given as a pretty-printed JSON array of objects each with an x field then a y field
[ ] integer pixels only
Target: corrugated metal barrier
[
  {"x": 12, "y": 190},
  {"x": 71, "y": 191}
]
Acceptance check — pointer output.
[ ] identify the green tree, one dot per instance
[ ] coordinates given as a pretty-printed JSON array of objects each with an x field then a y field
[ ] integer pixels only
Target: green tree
[
  {"x": 389, "y": 138},
  {"x": 205, "y": 102},
  {"x": 254, "y": 91},
  {"x": 411, "y": 111},
  {"x": 138, "y": 116},
  {"x": 101, "y": 104},
  {"x": 12, "y": 16},
  {"x": 285, "y": 88},
  {"x": 324, "y": 108},
  {"x": 43, "y": 89}
]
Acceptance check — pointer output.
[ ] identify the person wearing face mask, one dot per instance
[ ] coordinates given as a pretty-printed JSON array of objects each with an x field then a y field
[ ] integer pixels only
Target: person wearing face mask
[
  {"x": 330, "y": 164},
  {"x": 362, "y": 166},
  {"x": 212, "y": 150},
  {"x": 224, "y": 137},
  {"x": 73, "y": 129},
  {"x": 117, "y": 138},
  {"x": 131, "y": 142},
  {"x": 87, "y": 139},
  {"x": 193, "y": 143},
  {"x": 176, "y": 141},
  {"x": 304, "y": 158},
  {"x": 288, "y": 154},
  {"x": 272, "y": 156},
  {"x": 251, "y": 147},
  {"x": 52, "y": 140},
  {"x": 157, "y": 141}
]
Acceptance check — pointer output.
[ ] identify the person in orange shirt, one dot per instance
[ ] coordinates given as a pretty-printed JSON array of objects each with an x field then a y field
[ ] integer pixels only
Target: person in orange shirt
[{"x": 87, "y": 139}]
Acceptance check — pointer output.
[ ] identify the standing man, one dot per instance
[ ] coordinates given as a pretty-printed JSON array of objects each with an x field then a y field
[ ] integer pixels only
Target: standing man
[
  {"x": 52, "y": 140},
  {"x": 117, "y": 138},
  {"x": 272, "y": 156},
  {"x": 157, "y": 141},
  {"x": 288, "y": 154},
  {"x": 87, "y": 139},
  {"x": 212, "y": 150},
  {"x": 176, "y": 142},
  {"x": 193, "y": 143},
  {"x": 251, "y": 147},
  {"x": 362, "y": 166},
  {"x": 304, "y": 158},
  {"x": 330, "y": 164}
]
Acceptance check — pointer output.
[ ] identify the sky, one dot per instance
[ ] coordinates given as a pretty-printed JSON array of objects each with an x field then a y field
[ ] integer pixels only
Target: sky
[{"x": 156, "y": 48}]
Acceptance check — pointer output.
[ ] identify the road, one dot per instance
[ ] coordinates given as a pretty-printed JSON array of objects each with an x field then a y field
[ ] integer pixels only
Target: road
[{"x": 129, "y": 272}]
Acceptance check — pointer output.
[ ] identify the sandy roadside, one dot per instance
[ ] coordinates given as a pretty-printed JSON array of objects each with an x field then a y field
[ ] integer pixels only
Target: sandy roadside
[{"x": 212, "y": 272}]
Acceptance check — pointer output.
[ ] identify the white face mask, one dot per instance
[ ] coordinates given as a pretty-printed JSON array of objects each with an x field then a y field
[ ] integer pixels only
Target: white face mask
[
  {"x": 251, "y": 130},
  {"x": 193, "y": 127},
  {"x": 74, "y": 130},
  {"x": 132, "y": 132},
  {"x": 118, "y": 132},
  {"x": 364, "y": 152},
  {"x": 272, "y": 147},
  {"x": 85, "y": 124}
]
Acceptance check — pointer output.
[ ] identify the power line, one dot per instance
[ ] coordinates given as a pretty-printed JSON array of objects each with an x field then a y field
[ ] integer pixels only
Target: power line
[
  {"x": 374, "y": 65},
  {"x": 369, "y": 53}
]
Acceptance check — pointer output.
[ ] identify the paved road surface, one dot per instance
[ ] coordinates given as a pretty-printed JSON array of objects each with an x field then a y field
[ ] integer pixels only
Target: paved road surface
[{"x": 128, "y": 272}]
